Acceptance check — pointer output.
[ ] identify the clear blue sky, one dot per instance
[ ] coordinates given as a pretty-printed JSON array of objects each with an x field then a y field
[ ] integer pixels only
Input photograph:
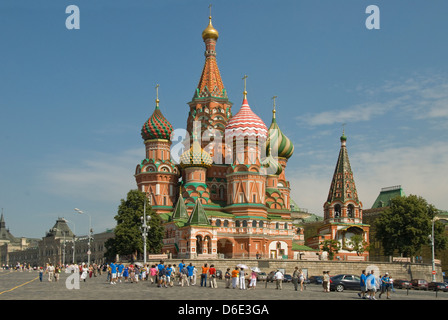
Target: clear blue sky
[{"x": 72, "y": 102}]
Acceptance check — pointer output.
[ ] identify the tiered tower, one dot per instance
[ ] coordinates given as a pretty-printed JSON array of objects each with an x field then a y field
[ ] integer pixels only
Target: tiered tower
[
  {"x": 157, "y": 175},
  {"x": 343, "y": 211}
]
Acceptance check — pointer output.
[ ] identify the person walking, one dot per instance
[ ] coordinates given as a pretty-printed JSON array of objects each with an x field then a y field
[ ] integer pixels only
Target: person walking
[
  {"x": 301, "y": 279},
  {"x": 242, "y": 276},
  {"x": 235, "y": 273},
  {"x": 371, "y": 285},
  {"x": 253, "y": 280},
  {"x": 204, "y": 275},
  {"x": 326, "y": 281},
  {"x": 279, "y": 280},
  {"x": 50, "y": 271},
  {"x": 195, "y": 275},
  {"x": 385, "y": 286},
  {"x": 184, "y": 275},
  {"x": 190, "y": 268},
  {"x": 113, "y": 272},
  {"x": 362, "y": 284},
  {"x": 228, "y": 277},
  {"x": 295, "y": 278},
  {"x": 212, "y": 273},
  {"x": 181, "y": 266}
]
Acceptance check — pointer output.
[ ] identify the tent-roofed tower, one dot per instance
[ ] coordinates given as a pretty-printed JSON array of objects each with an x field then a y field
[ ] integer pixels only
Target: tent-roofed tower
[
  {"x": 342, "y": 203},
  {"x": 343, "y": 212},
  {"x": 210, "y": 104}
]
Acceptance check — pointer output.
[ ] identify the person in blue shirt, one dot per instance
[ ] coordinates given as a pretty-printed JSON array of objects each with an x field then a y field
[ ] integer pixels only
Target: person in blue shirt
[
  {"x": 162, "y": 277},
  {"x": 363, "y": 285},
  {"x": 120, "y": 268},
  {"x": 113, "y": 272},
  {"x": 181, "y": 266},
  {"x": 190, "y": 269},
  {"x": 169, "y": 270},
  {"x": 385, "y": 286}
]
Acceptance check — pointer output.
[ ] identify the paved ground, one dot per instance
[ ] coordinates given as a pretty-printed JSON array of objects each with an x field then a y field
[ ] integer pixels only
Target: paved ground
[{"x": 25, "y": 285}]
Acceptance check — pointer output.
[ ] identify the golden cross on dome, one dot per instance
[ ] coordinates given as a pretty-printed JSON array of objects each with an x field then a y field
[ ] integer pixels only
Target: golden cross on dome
[
  {"x": 273, "y": 111},
  {"x": 245, "y": 92},
  {"x": 210, "y": 7},
  {"x": 157, "y": 95}
]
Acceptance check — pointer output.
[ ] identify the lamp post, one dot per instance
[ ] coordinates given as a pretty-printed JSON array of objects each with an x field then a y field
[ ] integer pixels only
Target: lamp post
[
  {"x": 89, "y": 235},
  {"x": 432, "y": 251},
  {"x": 145, "y": 228}
]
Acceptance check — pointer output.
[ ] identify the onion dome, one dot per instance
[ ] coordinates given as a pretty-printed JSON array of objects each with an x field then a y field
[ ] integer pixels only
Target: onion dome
[
  {"x": 157, "y": 126},
  {"x": 210, "y": 32},
  {"x": 195, "y": 157},
  {"x": 277, "y": 141},
  {"x": 271, "y": 165},
  {"x": 246, "y": 124}
]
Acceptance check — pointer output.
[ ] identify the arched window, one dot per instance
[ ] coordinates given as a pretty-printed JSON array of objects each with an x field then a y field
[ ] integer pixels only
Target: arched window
[
  {"x": 350, "y": 211},
  {"x": 218, "y": 222},
  {"x": 337, "y": 211},
  {"x": 244, "y": 223}
]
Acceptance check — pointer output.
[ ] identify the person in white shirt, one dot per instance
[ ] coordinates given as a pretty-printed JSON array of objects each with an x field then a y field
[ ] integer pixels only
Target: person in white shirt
[{"x": 278, "y": 279}]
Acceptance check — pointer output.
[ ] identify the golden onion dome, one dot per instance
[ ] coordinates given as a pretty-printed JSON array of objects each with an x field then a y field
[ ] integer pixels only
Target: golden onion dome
[
  {"x": 196, "y": 157},
  {"x": 210, "y": 32}
]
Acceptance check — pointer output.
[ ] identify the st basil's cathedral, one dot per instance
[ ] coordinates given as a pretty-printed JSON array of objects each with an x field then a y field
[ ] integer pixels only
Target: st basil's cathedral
[{"x": 227, "y": 194}]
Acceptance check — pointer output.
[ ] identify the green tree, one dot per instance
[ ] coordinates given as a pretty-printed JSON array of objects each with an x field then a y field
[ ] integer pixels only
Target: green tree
[
  {"x": 357, "y": 244},
  {"x": 128, "y": 238},
  {"x": 405, "y": 226},
  {"x": 331, "y": 246}
]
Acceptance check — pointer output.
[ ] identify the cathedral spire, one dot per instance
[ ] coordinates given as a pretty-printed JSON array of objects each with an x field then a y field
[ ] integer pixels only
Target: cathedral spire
[
  {"x": 343, "y": 186},
  {"x": 210, "y": 83}
]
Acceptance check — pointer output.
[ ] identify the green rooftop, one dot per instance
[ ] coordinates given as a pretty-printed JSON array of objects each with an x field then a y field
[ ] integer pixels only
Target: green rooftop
[{"x": 387, "y": 194}]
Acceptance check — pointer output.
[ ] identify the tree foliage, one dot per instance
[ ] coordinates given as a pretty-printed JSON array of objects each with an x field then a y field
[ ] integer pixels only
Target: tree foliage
[
  {"x": 331, "y": 246},
  {"x": 405, "y": 226},
  {"x": 357, "y": 244},
  {"x": 128, "y": 238}
]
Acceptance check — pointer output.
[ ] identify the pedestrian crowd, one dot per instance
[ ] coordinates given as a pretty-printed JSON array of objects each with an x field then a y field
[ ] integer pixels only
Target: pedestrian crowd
[
  {"x": 164, "y": 275},
  {"x": 371, "y": 285}
]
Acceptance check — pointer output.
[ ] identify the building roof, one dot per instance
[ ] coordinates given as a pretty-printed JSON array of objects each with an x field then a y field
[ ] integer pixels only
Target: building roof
[
  {"x": 180, "y": 210},
  {"x": 5, "y": 235},
  {"x": 157, "y": 126},
  {"x": 387, "y": 194},
  {"x": 198, "y": 216},
  {"x": 246, "y": 124},
  {"x": 277, "y": 143},
  {"x": 343, "y": 184},
  {"x": 210, "y": 84}
]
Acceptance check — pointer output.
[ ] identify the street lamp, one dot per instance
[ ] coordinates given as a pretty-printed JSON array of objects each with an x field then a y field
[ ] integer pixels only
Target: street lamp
[
  {"x": 90, "y": 234},
  {"x": 431, "y": 237},
  {"x": 145, "y": 228}
]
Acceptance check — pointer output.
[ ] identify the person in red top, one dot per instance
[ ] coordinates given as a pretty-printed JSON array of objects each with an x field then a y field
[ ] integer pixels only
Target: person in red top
[{"x": 212, "y": 273}]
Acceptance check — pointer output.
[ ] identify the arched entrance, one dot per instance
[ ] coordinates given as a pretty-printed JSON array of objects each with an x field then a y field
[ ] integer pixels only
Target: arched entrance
[{"x": 225, "y": 247}]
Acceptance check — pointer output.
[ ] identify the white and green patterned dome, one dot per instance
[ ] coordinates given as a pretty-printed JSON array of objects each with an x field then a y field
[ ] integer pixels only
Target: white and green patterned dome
[
  {"x": 196, "y": 157},
  {"x": 280, "y": 144}
]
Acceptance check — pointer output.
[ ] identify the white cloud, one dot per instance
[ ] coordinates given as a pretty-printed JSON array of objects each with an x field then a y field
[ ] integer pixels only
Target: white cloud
[
  {"x": 97, "y": 177},
  {"x": 418, "y": 97},
  {"x": 420, "y": 170}
]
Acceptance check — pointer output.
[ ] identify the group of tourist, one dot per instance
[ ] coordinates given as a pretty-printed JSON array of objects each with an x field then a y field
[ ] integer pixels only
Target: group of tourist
[{"x": 370, "y": 285}]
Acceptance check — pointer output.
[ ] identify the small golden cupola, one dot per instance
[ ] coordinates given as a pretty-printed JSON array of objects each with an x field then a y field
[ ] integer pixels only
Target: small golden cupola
[{"x": 210, "y": 32}]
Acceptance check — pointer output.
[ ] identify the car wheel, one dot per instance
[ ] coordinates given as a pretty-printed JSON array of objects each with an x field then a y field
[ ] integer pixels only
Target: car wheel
[{"x": 339, "y": 288}]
